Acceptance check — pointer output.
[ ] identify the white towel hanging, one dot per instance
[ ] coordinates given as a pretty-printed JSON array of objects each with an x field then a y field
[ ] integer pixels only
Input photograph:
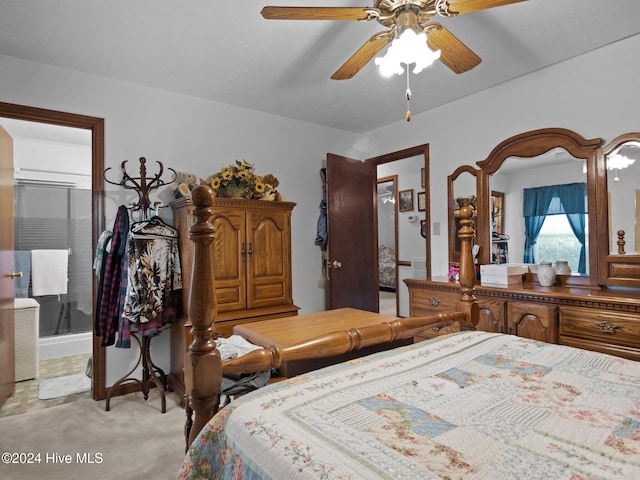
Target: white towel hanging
[{"x": 49, "y": 270}]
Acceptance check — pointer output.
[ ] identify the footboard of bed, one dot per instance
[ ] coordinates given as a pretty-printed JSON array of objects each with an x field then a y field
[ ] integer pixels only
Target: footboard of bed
[{"x": 339, "y": 343}]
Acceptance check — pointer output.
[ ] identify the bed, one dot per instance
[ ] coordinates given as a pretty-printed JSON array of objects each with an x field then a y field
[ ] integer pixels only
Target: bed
[{"x": 466, "y": 405}]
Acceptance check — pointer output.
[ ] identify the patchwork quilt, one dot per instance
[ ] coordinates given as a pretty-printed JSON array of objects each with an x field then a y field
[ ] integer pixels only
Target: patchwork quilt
[{"x": 470, "y": 405}]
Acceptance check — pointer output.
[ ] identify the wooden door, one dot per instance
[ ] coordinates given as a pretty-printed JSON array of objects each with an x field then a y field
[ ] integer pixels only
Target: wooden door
[
  {"x": 229, "y": 247},
  {"x": 268, "y": 257},
  {"x": 352, "y": 275},
  {"x": 7, "y": 335}
]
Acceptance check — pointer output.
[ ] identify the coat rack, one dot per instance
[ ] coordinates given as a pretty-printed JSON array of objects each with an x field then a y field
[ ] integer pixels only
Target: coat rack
[
  {"x": 143, "y": 185},
  {"x": 151, "y": 374}
]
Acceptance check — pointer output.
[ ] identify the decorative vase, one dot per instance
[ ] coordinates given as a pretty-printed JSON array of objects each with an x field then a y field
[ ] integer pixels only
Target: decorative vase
[
  {"x": 546, "y": 274},
  {"x": 562, "y": 267},
  {"x": 232, "y": 191}
]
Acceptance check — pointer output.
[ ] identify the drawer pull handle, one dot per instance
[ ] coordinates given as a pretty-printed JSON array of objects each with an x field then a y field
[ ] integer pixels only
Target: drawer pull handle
[
  {"x": 435, "y": 329},
  {"x": 607, "y": 327},
  {"x": 434, "y": 301}
]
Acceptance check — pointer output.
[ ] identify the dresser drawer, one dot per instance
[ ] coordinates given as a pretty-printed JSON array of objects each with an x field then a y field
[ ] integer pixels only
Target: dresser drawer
[
  {"x": 607, "y": 326},
  {"x": 425, "y": 302}
]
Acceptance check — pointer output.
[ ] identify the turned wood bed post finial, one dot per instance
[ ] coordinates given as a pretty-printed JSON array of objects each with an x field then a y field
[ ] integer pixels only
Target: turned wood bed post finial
[
  {"x": 203, "y": 371},
  {"x": 467, "y": 269}
]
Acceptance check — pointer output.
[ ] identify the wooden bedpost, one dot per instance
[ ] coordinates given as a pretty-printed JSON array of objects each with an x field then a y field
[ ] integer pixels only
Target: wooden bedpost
[
  {"x": 467, "y": 270},
  {"x": 202, "y": 370}
]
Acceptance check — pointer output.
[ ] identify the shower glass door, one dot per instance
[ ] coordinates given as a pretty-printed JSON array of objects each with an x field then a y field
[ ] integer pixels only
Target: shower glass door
[{"x": 57, "y": 216}]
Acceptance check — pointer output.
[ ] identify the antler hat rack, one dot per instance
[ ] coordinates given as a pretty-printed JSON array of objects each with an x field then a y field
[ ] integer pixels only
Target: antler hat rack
[{"x": 143, "y": 185}]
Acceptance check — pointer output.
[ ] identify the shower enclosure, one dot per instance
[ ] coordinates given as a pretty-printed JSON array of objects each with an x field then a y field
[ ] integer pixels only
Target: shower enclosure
[{"x": 57, "y": 216}]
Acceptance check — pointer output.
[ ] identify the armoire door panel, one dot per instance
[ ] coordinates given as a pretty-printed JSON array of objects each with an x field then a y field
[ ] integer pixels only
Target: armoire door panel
[
  {"x": 268, "y": 238},
  {"x": 228, "y": 297},
  {"x": 269, "y": 292},
  {"x": 229, "y": 259},
  {"x": 269, "y": 263}
]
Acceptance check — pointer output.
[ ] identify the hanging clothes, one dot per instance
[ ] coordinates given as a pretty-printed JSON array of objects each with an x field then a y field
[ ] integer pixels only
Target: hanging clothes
[
  {"x": 321, "y": 228},
  {"x": 114, "y": 263},
  {"x": 154, "y": 276},
  {"x": 101, "y": 251}
]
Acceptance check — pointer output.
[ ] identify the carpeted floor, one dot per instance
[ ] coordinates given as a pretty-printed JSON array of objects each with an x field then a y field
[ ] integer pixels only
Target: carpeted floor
[{"x": 134, "y": 440}]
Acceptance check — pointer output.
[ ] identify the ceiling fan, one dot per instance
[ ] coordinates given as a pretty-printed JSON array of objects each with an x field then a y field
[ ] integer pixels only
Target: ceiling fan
[{"x": 398, "y": 16}]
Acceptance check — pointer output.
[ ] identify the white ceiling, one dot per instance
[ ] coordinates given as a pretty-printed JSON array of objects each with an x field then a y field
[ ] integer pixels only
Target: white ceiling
[{"x": 228, "y": 53}]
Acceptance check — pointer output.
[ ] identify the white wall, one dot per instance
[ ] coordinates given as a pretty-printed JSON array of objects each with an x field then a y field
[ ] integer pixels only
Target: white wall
[
  {"x": 596, "y": 95},
  {"x": 198, "y": 136}
]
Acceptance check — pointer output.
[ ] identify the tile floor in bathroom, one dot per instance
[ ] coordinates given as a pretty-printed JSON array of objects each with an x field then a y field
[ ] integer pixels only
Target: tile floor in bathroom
[{"x": 26, "y": 398}]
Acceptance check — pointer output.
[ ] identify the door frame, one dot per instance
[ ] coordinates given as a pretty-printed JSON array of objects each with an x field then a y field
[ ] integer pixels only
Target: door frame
[
  {"x": 360, "y": 289},
  {"x": 401, "y": 155},
  {"x": 96, "y": 125}
]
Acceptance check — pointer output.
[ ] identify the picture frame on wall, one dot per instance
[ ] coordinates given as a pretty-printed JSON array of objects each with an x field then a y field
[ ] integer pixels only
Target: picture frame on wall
[
  {"x": 422, "y": 201},
  {"x": 405, "y": 198}
]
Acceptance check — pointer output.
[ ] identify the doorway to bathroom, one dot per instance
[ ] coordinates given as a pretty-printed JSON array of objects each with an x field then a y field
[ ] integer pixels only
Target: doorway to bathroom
[{"x": 68, "y": 199}]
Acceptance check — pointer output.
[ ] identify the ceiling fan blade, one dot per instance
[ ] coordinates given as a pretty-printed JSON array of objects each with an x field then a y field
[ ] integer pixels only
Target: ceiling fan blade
[
  {"x": 320, "y": 13},
  {"x": 364, "y": 54},
  {"x": 453, "y": 53},
  {"x": 454, "y": 7}
]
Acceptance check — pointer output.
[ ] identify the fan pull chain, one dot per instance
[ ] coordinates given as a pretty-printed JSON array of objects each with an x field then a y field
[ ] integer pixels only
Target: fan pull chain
[{"x": 408, "y": 95}]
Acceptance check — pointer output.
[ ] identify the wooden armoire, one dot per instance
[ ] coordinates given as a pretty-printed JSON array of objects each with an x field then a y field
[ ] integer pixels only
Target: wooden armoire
[{"x": 252, "y": 268}]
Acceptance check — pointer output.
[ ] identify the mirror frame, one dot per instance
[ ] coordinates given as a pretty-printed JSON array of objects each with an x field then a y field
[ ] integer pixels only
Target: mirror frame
[
  {"x": 529, "y": 145},
  {"x": 614, "y": 269},
  {"x": 454, "y": 257}
]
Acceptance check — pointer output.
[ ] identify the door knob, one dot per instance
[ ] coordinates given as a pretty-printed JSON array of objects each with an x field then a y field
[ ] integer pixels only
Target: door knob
[
  {"x": 334, "y": 264},
  {"x": 15, "y": 275}
]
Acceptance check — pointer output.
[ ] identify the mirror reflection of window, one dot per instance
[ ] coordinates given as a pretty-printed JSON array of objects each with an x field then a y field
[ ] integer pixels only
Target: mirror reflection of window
[
  {"x": 556, "y": 241},
  {"x": 517, "y": 174},
  {"x": 542, "y": 204}
]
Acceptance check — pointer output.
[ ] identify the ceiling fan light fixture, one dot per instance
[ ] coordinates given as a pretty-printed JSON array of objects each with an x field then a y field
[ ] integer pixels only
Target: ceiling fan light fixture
[
  {"x": 408, "y": 48},
  {"x": 619, "y": 161}
]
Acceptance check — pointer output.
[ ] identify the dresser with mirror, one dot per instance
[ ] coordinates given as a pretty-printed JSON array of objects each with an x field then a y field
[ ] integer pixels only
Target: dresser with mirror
[{"x": 541, "y": 177}]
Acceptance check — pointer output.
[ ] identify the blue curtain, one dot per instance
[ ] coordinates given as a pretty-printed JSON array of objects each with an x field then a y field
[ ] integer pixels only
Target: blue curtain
[
  {"x": 577, "y": 222},
  {"x": 532, "y": 226},
  {"x": 535, "y": 203},
  {"x": 573, "y": 197},
  {"x": 569, "y": 199}
]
